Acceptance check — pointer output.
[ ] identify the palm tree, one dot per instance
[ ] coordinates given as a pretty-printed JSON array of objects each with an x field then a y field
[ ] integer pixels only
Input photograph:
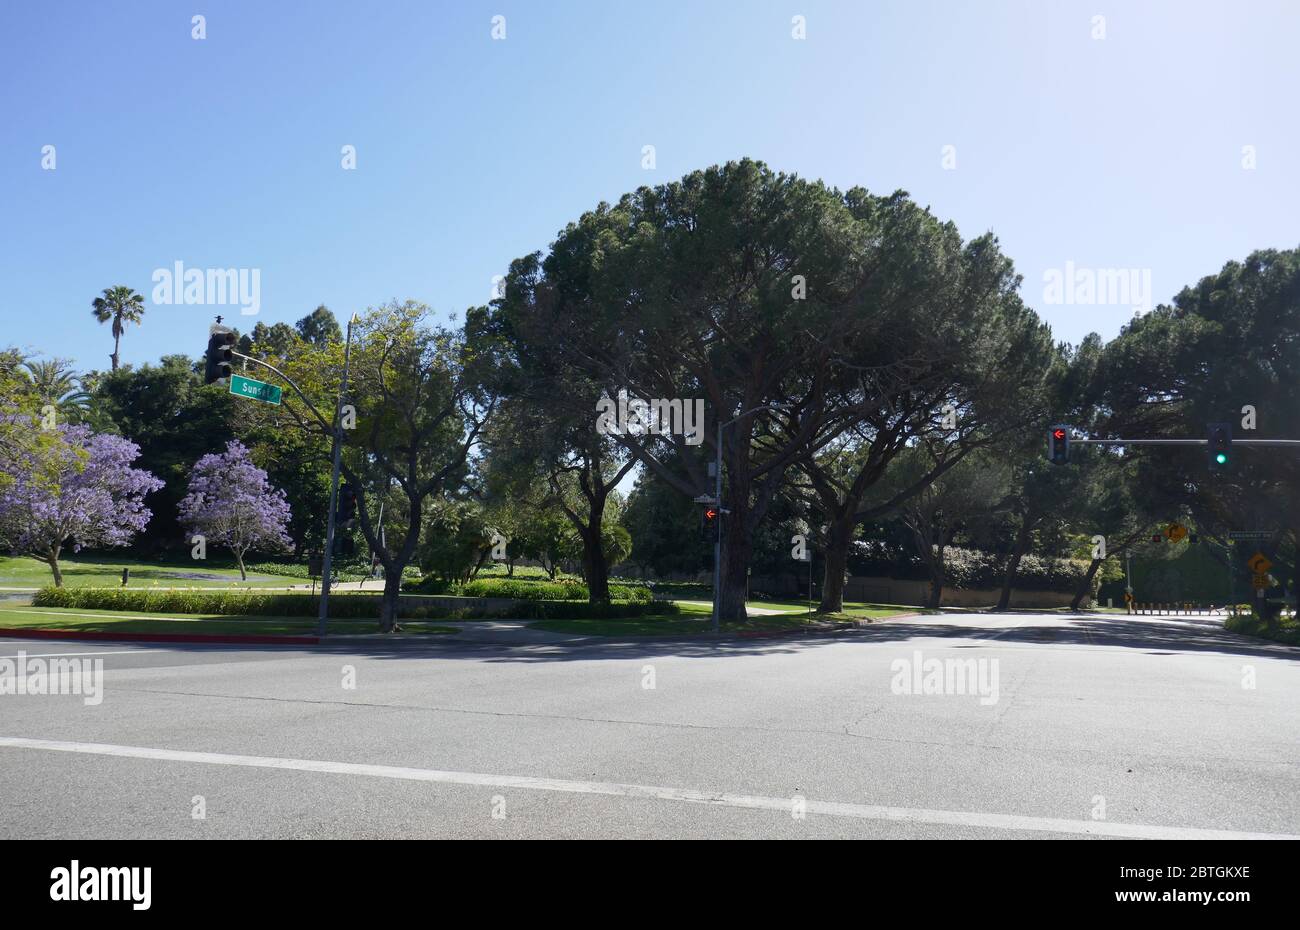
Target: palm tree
[
  {"x": 54, "y": 384},
  {"x": 121, "y": 305}
]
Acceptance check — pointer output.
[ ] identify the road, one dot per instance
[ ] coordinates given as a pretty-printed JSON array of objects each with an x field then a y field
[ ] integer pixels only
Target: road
[{"x": 1103, "y": 725}]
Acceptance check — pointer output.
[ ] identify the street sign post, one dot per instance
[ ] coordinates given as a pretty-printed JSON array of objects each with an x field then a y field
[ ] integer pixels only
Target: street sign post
[{"x": 257, "y": 390}]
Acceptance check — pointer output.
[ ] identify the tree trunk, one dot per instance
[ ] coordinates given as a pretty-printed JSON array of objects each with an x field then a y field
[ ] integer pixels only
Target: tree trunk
[
  {"x": 53, "y": 561},
  {"x": 1086, "y": 585},
  {"x": 117, "y": 339},
  {"x": 1022, "y": 544},
  {"x": 239, "y": 557},
  {"x": 839, "y": 537},
  {"x": 388, "y": 604},
  {"x": 937, "y": 576},
  {"x": 736, "y": 552},
  {"x": 594, "y": 566}
]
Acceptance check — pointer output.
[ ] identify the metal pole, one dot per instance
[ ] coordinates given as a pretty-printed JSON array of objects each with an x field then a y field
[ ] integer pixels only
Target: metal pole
[
  {"x": 334, "y": 489},
  {"x": 717, "y": 539}
]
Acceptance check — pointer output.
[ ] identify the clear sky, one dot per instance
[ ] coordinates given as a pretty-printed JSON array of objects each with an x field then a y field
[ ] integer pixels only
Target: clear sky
[{"x": 1122, "y": 152}]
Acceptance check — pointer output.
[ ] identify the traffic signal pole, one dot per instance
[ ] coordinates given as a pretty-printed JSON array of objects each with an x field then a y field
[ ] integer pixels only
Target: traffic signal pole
[
  {"x": 336, "y": 432},
  {"x": 717, "y": 535}
]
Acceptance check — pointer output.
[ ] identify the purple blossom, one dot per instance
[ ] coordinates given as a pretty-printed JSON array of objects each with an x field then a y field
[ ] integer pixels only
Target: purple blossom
[
  {"x": 231, "y": 503},
  {"x": 74, "y": 487}
]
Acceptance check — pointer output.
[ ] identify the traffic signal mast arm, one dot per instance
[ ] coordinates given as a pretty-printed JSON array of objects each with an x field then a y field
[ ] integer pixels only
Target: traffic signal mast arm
[
  {"x": 1182, "y": 442},
  {"x": 289, "y": 381}
]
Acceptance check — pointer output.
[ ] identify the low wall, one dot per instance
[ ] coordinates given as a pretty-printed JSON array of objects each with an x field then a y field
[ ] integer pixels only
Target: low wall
[{"x": 895, "y": 591}]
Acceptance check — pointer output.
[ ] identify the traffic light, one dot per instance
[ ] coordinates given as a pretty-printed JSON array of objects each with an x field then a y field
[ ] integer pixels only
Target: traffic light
[
  {"x": 1219, "y": 441},
  {"x": 219, "y": 357},
  {"x": 347, "y": 509},
  {"x": 1058, "y": 444},
  {"x": 710, "y": 517}
]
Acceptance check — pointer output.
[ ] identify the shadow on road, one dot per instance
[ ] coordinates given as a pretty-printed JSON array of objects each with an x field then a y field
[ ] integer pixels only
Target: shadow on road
[{"x": 1172, "y": 637}]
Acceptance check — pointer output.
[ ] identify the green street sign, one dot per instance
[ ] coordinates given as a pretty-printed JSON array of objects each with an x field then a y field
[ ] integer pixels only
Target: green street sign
[{"x": 257, "y": 390}]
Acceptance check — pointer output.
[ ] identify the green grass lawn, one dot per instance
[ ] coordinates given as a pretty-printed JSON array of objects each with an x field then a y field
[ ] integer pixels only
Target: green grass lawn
[
  {"x": 26, "y": 572},
  {"x": 19, "y": 616}
]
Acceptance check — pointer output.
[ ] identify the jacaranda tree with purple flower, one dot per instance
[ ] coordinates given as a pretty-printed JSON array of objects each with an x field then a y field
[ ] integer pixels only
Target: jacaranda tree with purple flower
[
  {"x": 231, "y": 503},
  {"x": 76, "y": 488}
]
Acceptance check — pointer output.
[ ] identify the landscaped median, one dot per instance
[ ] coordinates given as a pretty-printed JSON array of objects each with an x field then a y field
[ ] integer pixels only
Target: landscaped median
[
  {"x": 274, "y": 617},
  {"x": 21, "y": 621},
  {"x": 270, "y": 617}
]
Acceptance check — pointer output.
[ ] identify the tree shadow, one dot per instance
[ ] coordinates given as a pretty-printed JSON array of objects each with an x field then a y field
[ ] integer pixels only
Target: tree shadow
[{"x": 1160, "y": 638}]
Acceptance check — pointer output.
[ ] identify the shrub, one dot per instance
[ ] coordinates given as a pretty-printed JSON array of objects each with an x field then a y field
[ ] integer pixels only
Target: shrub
[
  {"x": 223, "y": 602},
  {"x": 430, "y": 584},
  {"x": 528, "y": 590},
  {"x": 352, "y": 571},
  {"x": 1283, "y": 630},
  {"x": 975, "y": 568},
  {"x": 343, "y": 605},
  {"x": 522, "y": 589}
]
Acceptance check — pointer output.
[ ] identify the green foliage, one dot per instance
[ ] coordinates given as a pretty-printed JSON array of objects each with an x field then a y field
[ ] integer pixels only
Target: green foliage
[
  {"x": 522, "y": 589},
  {"x": 456, "y": 540},
  {"x": 1285, "y": 630},
  {"x": 319, "y": 327},
  {"x": 342, "y": 605},
  {"x": 973, "y": 568},
  {"x": 356, "y": 571}
]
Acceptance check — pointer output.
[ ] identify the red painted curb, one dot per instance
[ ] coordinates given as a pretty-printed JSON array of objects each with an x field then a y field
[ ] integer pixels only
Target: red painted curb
[{"x": 161, "y": 637}]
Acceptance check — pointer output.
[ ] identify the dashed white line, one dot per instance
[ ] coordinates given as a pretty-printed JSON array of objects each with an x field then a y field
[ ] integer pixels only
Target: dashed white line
[{"x": 615, "y": 789}]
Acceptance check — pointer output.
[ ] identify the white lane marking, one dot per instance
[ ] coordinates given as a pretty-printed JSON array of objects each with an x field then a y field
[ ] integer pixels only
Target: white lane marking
[
  {"x": 52, "y": 655},
  {"x": 615, "y": 789}
]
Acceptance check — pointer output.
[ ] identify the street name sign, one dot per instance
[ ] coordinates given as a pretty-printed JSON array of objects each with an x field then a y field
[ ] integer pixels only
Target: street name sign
[{"x": 257, "y": 390}]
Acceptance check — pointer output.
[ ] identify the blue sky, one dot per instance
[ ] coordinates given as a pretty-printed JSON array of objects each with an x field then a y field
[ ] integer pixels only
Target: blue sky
[{"x": 1113, "y": 153}]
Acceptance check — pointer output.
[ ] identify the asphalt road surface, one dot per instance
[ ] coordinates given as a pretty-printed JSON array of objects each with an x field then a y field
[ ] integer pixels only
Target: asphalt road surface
[{"x": 1089, "y": 726}]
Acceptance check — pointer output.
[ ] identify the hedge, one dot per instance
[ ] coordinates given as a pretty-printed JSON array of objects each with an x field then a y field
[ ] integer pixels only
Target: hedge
[
  {"x": 215, "y": 601},
  {"x": 974, "y": 568},
  {"x": 342, "y": 605},
  {"x": 355, "y": 571},
  {"x": 522, "y": 589}
]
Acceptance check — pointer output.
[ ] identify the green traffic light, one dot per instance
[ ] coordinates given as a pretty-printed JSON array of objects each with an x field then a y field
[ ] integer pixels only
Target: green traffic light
[{"x": 1221, "y": 458}]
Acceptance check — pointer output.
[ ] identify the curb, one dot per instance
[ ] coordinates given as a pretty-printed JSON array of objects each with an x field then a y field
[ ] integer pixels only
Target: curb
[{"x": 211, "y": 638}]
